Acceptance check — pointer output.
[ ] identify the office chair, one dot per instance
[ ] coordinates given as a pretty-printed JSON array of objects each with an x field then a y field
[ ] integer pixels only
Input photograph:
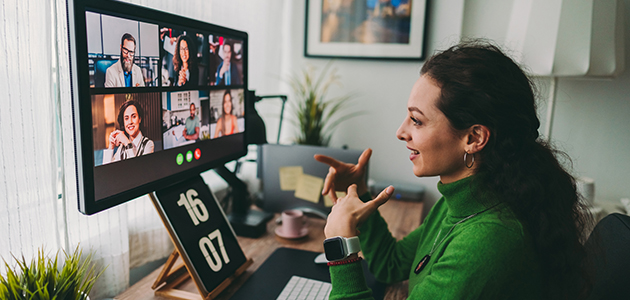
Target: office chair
[
  {"x": 609, "y": 247},
  {"x": 100, "y": 71}
]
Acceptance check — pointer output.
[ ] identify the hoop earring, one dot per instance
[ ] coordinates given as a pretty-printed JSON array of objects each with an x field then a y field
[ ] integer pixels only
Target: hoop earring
[{"x": 466, "y": 160}]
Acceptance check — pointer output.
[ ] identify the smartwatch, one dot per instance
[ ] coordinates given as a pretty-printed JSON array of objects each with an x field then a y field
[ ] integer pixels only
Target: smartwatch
[{"x": 338, "y": 248}]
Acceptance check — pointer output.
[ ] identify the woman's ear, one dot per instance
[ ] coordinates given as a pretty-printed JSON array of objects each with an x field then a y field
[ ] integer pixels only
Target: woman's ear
[{"x": 478, "y": 136}]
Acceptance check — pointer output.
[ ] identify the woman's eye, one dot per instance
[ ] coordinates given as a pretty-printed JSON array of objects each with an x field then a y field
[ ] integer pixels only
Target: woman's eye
[{"x": 415, "y": 121}]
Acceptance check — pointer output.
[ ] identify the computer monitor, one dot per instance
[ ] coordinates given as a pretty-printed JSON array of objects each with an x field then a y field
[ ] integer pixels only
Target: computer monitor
[{"x": 157, "y": 98}]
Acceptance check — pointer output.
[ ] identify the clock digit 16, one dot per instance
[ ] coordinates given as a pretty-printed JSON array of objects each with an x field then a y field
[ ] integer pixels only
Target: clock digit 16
[{"x": 195, "y": 207}]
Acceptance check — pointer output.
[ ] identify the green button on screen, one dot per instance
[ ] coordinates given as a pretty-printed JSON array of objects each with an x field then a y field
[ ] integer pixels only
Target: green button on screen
[
  {"x": 179, "y": 159},
  {"x": 189, "y": 156}
]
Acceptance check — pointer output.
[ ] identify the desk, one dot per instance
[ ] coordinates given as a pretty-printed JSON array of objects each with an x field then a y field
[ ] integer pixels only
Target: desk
[{"x": 259, "y": 249}]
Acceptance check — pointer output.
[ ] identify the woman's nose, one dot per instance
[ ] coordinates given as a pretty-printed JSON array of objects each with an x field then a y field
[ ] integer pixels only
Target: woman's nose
[{"x": 401, "y": 134}]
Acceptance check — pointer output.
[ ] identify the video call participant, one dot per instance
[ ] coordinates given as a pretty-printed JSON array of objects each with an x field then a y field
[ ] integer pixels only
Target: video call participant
[
  {"x": 185, "y": 62},
  {"x": 213, "y": 59},
  {"x": 124, "y": 73},
  {"x": 227, "y": 71},
  {"x": 191, "y": 132},
  {"x": 227, "y": 123},
  {"x": 128, "y": 140},
  {"x": 509, "y": 223}
]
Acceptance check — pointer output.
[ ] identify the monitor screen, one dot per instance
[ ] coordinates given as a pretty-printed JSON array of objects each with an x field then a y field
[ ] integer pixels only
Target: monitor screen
[{"x": 157, "y": 98}]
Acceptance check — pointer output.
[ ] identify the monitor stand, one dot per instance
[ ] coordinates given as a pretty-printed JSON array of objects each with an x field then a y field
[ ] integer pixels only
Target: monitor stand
[{"x": 245, "y": 221}]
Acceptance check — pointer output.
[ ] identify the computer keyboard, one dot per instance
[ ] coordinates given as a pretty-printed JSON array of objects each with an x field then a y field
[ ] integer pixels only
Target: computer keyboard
[{"x": 305, "y": 289}]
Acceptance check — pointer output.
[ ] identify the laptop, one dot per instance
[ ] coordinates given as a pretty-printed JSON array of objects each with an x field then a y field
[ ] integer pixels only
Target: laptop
[{"x": 286, "y": 266}]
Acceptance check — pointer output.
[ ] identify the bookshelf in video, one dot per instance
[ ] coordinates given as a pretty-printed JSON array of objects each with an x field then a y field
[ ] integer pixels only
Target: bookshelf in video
[{"x": 164, "y": 98}]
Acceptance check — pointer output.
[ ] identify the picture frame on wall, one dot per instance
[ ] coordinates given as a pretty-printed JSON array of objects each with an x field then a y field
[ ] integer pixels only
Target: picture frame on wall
[{"x": 366, "y": 29}]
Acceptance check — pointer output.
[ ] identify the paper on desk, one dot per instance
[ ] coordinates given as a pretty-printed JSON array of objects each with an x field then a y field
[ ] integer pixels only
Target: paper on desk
[
  {"x": 309, "y": 188},
  {"x": 328, "y": 201},
  {"x": 289, "y": 176}
]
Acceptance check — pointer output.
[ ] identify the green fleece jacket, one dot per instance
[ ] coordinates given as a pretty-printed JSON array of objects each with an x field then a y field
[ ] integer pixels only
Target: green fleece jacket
[{"x": 489, "y": 256}]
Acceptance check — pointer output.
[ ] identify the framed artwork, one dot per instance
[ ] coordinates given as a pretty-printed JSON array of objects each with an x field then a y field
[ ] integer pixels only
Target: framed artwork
[{"x": 366, "y": 29}]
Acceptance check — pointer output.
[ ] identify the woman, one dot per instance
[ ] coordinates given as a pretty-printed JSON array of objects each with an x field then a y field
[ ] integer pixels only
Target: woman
[
  {"x": 227, "y": 123},
  {"x": 509, "y": 224},
  {"x": 128, "y": 139},
  {"x": 185, "y": 62}
]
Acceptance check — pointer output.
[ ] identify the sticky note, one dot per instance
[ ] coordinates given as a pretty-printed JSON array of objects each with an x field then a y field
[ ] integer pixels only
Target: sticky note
[
  {"x": 328, "y": 201},
  {"x": 289, "y": 176},
  {"x": 309, "y": 188}
]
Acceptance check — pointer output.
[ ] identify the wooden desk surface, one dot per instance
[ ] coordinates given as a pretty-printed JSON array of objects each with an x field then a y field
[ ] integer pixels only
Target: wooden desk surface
[{"x": 260, "y": 248}]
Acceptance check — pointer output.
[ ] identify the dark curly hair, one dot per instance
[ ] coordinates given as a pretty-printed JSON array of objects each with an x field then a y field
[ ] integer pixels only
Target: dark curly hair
[
  {"x": 481, "y": 85},
  {"x": 192, "y": 53}
]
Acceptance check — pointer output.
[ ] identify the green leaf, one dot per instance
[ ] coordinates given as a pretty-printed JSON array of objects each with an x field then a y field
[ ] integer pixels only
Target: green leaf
[
  {"x": 42, "y": 279},
  {"x": 316, "y": 115}
]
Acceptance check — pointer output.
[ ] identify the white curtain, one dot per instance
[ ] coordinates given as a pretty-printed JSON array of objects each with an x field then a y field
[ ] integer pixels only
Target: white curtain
[
  {"x": 28, "y": 195},
  {"x": 38, "y": 193}
]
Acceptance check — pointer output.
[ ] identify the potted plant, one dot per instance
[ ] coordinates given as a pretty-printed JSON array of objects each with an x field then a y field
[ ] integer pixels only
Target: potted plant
[
  {"x": 317, "y": 115},
  {"x": 44, "y": 279}
]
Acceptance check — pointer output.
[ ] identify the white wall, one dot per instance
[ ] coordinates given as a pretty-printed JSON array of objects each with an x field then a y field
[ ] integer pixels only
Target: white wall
[
  {"x": 592, "y": 120},
  {"x": 592, "y": 124}
]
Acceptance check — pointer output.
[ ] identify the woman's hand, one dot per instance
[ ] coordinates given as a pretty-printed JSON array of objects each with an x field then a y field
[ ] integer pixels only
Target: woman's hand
[
  {"x": 182, "y": 77},
  {"x": 350, "y": 212},
  {"x": 341, "y": 175},
  {"x": 113, "y": 139},
  {"x": 121, "y": 138}
]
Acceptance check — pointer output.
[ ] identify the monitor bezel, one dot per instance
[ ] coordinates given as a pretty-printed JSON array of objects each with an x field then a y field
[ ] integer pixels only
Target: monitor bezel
[{"x": 82, "y": 110}]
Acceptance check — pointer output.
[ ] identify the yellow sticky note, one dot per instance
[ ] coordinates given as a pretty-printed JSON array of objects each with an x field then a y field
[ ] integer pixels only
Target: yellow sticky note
[
  {"x": 309, "y": 188},
  {"x": 328, "y": 201},
  {"x": 289, "y": 177}
]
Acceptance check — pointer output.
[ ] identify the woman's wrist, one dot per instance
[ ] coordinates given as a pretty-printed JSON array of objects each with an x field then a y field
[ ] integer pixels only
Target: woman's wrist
[{"x": 353, "y": 258}]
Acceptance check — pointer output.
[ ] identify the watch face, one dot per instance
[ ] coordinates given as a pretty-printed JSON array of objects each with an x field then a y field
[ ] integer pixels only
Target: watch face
[{"x": 334, "y": 249}]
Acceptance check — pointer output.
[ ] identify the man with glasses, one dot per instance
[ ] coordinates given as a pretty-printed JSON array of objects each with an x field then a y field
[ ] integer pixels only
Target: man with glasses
[{"x": 124, "y": 73}]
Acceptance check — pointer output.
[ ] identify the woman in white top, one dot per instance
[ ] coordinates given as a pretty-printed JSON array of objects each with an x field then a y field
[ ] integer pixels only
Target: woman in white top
[{"x": 128, "y": 141}]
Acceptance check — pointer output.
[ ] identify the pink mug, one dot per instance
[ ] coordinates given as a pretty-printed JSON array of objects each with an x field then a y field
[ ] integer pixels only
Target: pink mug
[{"x": 293, "y": 222}]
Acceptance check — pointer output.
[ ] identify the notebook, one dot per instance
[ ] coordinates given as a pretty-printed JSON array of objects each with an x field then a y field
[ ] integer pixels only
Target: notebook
[{"x": 276, "y": 272}]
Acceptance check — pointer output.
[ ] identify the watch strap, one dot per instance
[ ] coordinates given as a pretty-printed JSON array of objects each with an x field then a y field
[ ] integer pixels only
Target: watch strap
[{"x": 353, "y": 245}]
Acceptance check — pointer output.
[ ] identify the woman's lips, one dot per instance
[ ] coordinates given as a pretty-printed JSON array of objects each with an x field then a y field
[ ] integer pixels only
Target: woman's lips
[{"x": 414, "y": 153}]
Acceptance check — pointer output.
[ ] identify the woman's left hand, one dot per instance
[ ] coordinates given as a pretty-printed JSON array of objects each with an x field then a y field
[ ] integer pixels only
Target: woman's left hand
[{"x": 350, "y": 212}]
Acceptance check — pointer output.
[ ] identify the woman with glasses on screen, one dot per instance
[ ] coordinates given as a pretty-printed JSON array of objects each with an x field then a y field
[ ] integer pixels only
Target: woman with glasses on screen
[
  {"x": 227, "y": 123},
  {"x": 509, "y": 224},
  {"x": 128, "y": 141},
  {"x": 185, "y": 62}
]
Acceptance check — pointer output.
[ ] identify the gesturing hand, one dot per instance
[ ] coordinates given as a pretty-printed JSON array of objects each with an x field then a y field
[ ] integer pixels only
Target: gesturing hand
[
  {"x": 350, "y": 212},
  {"x": 121, "y": 139},
  {"x": 114, "y": 139},
  {"x": 224, "y": 68},
  {"x": 182, "y": 77},
  {"x": 341, "y": 175}
]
